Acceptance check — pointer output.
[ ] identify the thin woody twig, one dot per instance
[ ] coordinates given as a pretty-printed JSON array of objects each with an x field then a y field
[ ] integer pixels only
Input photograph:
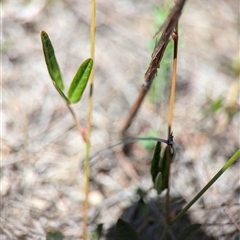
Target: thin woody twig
[{"x": 157, "y": 55}]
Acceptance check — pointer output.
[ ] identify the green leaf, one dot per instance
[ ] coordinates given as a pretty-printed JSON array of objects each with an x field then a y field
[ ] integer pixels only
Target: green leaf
[
  {"x": 125, "y": 231},
  {"x": 189, "y": 232},
  {"x": 155, "y": 161},
  {"x": 54, "y": 235},
  {"x": 96, "y": 233},
  {"x": 163, "y": 167},
  {"x": 51, "y": 61},
  {"x": 158, "y": 183},
  {"x": 80, "y": 80}
]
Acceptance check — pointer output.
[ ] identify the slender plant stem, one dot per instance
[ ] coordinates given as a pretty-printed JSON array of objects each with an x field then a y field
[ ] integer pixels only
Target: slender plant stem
[
  {"x": 89, "y": 121},
  {"x": 174, "y": 77},
  {"x": 170, "y": 119},
  {"x": 234, "y": 158},
  {"x": 80, "y": 129},
  {"x": 131, "y": 140},
  {"x": 167, "y": 217}
]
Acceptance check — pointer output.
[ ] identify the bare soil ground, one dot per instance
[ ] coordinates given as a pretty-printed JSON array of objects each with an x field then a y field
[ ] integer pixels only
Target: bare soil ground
[{"x": 41, "y": 174}]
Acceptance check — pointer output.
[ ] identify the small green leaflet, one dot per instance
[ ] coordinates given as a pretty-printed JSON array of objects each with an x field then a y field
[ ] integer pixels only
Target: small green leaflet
[
  {"x": 158, "y": 183},
  {"x": 80, "y": 80},
  {"x": 159, "y": 165},
  {"x": 163, "y": 167},
  {"x": 155, "y": 162},
  {"x": 51, "y": 61}
]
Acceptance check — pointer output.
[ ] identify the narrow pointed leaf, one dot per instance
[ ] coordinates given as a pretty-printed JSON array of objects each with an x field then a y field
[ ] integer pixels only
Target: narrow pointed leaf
[
  {"x": 158, "y": 183},
  {"x": 163, "y": 167},
  {"x": 51, "y": 61},
  {"x": 80, "y": 81},
  {"x": 54, "y": 235},
  {"x": 189, "y": 232},
  {"x": 124, "y": 231},
  {"x": 155, "y": 161}
]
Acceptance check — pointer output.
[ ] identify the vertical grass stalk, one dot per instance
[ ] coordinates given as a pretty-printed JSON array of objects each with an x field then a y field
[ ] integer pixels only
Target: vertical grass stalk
[
  {"x": 170, "y": 117},
  {"x": 174, "y": 76},
  {"x": 89, "y": 121}
]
